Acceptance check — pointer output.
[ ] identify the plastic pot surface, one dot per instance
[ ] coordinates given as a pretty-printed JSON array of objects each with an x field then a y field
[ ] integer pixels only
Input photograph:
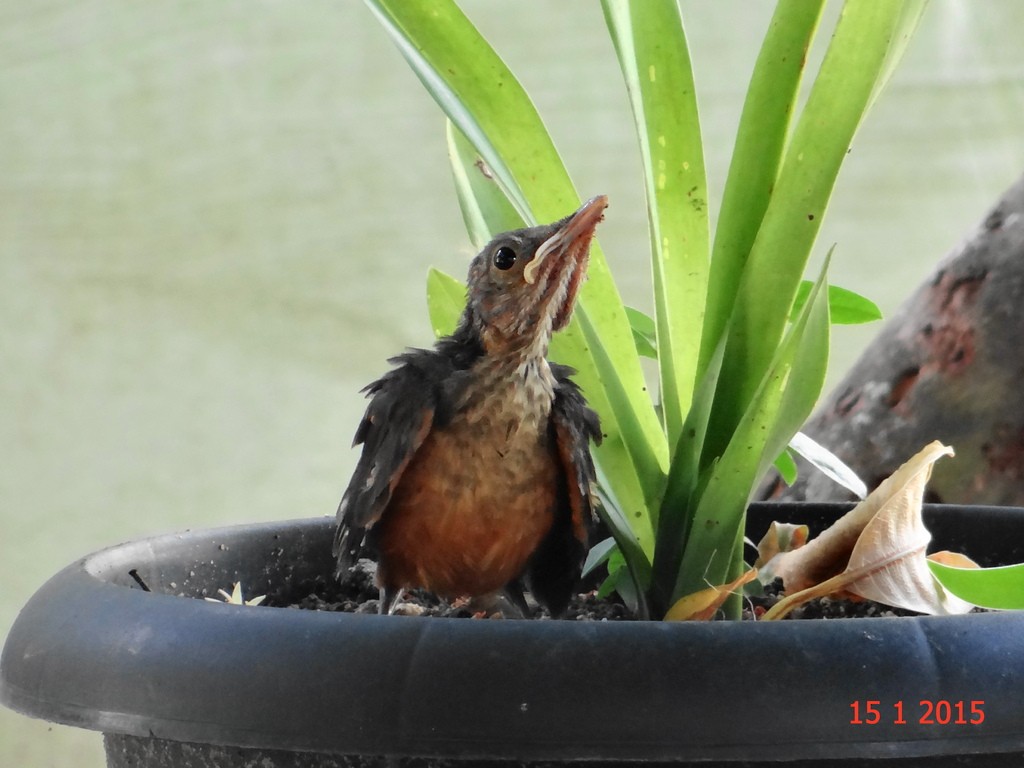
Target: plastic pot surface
[{"x": 93, "y": 649}]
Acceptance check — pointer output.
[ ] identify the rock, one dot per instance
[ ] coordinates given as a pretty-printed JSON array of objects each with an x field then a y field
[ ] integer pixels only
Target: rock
[{"x": 948, "y": 366}]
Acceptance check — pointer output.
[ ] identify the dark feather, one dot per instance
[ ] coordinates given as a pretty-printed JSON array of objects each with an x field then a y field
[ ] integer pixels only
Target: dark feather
[
  {"x": 405, "y": 404},
  {"x": 555, "y": 567}
]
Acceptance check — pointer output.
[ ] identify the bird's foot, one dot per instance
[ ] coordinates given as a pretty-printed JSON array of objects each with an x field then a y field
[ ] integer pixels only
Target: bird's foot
[
  {"x": 494, "y": 605},
  {"x": 394, "y": 603}
]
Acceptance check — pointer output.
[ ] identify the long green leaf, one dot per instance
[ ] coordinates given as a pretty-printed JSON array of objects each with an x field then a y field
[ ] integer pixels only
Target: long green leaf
[
  {"x": 677, "y": 507},
  {"x": 783, "y": 401},
  {"x": 757, "y": 155},
  {"x": 654, "y": 57},
  {"x": 902, "y": 32},
  {"x": 998, "y": 588},
  {"x": 849, "y": 73},
  {"x": 624, "y": 441},
  {"x": 632, "y": 549},
  {"x": 486, "y": 209},
  {"x": 489, "y": 106}
]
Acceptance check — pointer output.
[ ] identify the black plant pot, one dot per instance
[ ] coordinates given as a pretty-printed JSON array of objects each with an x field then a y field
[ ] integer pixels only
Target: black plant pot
[{"x": 175, "y": 681}]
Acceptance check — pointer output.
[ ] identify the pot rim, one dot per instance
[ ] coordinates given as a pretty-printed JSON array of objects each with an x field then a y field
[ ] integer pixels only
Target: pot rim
[{"x": 92, "y": 649}]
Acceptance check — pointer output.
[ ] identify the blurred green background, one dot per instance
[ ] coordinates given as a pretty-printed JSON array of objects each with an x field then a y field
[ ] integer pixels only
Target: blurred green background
[{"x": 216, "y": 220}]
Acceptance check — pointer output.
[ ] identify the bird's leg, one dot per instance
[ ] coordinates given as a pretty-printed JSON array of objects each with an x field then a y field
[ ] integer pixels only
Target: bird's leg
[
  {"x": 514, "y": 593},
  {"x": 388, "y": 600}
]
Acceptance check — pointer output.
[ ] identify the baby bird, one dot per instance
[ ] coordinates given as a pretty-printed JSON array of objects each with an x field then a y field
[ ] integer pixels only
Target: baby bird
[{"x": 475, "y": 471}]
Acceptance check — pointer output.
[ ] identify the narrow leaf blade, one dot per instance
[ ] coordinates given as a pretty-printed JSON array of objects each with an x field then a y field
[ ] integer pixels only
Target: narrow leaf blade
[
  {"x": 1000, "y": 588},
  {"x": 486, "y": 209},
  {"x": 838, "y": 101},
  {"x": 781, "y": 404},
  {"x": 828, "y": 463},
  {"x": 655, "y": 62},
  {"x": 754, "y": 168}
]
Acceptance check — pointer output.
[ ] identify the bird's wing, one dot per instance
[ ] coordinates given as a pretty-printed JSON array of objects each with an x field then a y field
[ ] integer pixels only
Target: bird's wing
[
  {"x": 555, "y": 567},
  {"x": 576, "y": 424},
  {"x": 403, "y": 409}
]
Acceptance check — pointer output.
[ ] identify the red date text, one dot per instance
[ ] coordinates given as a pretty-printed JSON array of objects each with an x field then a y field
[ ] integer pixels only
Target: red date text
[{"x": 926, "y": 712}]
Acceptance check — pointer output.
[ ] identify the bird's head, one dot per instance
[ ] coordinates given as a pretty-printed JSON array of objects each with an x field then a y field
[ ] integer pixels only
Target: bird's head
[{"x": 523, "y": 284}]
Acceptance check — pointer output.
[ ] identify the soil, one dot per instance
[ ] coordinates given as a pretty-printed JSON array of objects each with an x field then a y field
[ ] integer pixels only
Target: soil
[
  {"x": 822, "y": 608},
  {"x": 358, "y": 594}
]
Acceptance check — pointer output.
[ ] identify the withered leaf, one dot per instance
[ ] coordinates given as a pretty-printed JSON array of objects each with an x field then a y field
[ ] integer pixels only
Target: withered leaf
[
  {"x": 876, "y": 551},
  {"x": 702, "y": 605}
]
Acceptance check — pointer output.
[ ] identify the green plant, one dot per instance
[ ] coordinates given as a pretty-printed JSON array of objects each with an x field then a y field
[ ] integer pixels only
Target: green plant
[{"x": 741, "y": 361}]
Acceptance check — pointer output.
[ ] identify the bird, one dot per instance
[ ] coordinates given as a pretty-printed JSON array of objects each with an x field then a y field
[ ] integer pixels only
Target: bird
[{"x": 475, "y": 473}]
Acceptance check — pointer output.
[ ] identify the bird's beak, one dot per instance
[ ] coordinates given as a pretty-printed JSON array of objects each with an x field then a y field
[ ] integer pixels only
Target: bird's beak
[
  {"x": 572, "y": 238},
  {"x": 560, "y": 263}
]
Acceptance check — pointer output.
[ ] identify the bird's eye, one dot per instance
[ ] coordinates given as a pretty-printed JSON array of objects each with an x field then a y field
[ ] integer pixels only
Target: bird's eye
[{"x": 504, "y": 258}]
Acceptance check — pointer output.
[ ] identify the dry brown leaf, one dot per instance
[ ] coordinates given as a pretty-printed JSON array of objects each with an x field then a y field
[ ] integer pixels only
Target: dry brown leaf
[
  {"x": 780, "y": 537},
  {"x": 952, "y": 559},
  {"x": 702, "y": 606},
  {"x": 887, "y": 561},
  {"x": 889, "y": 565},
  {"x": 829, "y": 553}
]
